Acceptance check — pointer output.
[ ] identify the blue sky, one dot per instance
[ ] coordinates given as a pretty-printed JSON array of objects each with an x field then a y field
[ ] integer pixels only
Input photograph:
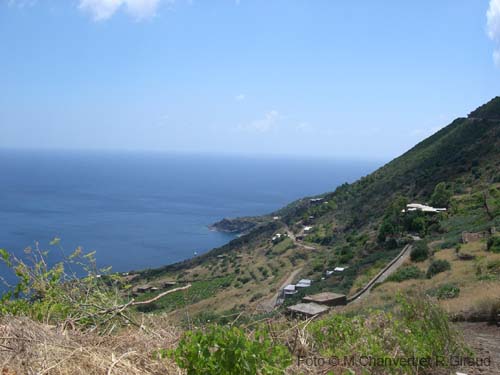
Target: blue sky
[{"x": 349, "y": 79}]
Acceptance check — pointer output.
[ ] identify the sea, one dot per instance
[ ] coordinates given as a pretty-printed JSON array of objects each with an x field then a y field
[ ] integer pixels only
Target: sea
[{"x": 140, "y": 210}]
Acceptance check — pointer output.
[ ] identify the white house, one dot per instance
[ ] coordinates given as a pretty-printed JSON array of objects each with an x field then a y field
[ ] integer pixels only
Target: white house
[
  {"x": 289, "y": 290},
  {"x": 422, "y": 207},
  {"x": 304, "y": 283}
]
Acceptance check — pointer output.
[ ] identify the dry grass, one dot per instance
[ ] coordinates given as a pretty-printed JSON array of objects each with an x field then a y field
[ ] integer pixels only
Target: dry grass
[
  {"x": 28, "y": 347},
  {"x": 477, "y": 297}
]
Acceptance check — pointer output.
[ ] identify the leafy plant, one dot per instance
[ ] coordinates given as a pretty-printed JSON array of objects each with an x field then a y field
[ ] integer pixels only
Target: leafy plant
[
  {"x": 53, "y": 295},
  {"x": 228, "y": 350},
  {"x": 493, "y": 244},
  {"x": 437, "y": 266}
]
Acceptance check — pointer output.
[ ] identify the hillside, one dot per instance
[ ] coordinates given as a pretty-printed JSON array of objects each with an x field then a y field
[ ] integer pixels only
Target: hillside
[
  {"x": 451, "y": 273},
  {"x": 345, "y": 223}
]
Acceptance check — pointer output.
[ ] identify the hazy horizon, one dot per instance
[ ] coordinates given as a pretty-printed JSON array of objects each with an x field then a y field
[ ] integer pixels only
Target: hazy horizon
[{"x": 279, "y": 78}]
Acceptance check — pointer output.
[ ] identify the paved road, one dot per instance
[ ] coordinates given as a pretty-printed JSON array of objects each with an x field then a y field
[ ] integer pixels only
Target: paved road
[{"x": 382, "y": 276}]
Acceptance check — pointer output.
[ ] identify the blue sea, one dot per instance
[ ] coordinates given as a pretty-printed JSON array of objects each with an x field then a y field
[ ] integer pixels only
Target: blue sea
[{"x": 142, "y": 210}]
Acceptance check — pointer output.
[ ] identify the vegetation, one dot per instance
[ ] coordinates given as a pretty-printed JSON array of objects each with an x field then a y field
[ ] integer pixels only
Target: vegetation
[
  {"x": 437, "y": 266},
  {"x": 228, "y": 350},
  {"x": 441, "y": 195},
  {"x": 419, "y": 252},
  {"x": 445, "y": 291},
  {"x": 49, "y": 294},
  {"x": 494, "y": 244},
  {"x": 360, "y": 225},
  {"x": 418, "y": 329},
  {"x": 199, "y": 291},
  {"x": 406, "y": 273}
]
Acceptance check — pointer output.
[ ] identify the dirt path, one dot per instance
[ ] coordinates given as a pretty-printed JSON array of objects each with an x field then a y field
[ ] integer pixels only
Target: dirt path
[
  {"x": 484, "y": 340},
  {"x": 292, "y": 236},
  {"x": 268, "y": 305}
]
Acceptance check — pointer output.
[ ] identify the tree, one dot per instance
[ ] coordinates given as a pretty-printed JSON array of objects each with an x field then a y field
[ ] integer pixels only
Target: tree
[
  {"x": 441, "y": 195},
  {"x": 420, "y": 251},
  {"x": 392, "y": 224},
  {"x": 386, "y": 229}
]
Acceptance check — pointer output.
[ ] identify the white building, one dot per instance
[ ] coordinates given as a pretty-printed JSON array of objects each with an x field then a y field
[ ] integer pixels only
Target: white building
[
  {"x": 289, "y": 290},
  {"x": 304, "y": 283},
  {"x": 422, "y": 207}
]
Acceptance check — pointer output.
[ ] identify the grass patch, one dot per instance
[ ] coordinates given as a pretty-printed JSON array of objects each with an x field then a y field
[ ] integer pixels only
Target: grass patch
[
  {"x": 282, "y": 246},
  {"x": 199, "y": 290}
]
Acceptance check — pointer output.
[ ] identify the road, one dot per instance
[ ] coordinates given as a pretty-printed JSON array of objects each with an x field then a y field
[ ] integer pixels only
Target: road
[
  {"x": 269, "y": 304},
  {"x": 383, "y": 275}
]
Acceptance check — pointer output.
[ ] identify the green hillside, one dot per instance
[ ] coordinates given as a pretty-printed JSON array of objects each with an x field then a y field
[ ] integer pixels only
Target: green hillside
[{"x": 216, "y": 313}]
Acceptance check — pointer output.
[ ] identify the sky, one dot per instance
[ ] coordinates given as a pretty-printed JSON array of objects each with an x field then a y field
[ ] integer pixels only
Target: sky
[{"x": 339, "y": 79}]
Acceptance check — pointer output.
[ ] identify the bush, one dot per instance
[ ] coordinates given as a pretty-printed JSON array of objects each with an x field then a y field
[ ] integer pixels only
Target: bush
[
  {"x": 441, "y": 195},
  {"x": 406, "y": 273},
  {"x": 417, "y": 329},
  {"x": 420, "y": 251},
  {"x": 493, "y": 244},
  {"x": 438, "y": 266},
  {"x": 445, "y": 291},
  {"x": 50, "y": 295},
  {"x": 226, "y": 351}
]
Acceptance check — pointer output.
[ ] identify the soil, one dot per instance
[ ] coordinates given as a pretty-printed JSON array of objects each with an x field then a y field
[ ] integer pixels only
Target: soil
[{"x": 484, "y": 340}]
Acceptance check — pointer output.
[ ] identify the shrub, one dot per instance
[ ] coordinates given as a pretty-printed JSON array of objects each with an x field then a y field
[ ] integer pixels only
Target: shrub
[
  {"x": 445, "y": 291},
  {"x": 417, "y": 329},
  {"x": 420, "y": 251},
  {"x": 441, "y": 195},
  {"x": 51, "y": 295},
  {"x": 406, "y": 273},
  {"x": 438, "y": 266},
  {"x": 226, "y": 351},
  {"x": 493, "y": 244}
]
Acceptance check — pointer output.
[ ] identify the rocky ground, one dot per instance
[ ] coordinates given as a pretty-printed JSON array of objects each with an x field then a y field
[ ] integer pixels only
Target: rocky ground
[{"x": 484, "y": 339}]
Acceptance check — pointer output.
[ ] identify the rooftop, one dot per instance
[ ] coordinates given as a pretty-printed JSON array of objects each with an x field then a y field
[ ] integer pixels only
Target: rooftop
[
  {"x": 309, "y": 309},
  {"x": 325, "y": 297}
]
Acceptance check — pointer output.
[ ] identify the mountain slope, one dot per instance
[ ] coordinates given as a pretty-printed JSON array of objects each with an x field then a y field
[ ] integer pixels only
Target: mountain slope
[{"x": 464, "y": 155}]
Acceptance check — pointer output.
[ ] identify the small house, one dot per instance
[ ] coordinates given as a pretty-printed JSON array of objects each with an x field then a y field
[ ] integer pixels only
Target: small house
[
  {"x": 289, "y": 290},
  {"x": 168, "y": 284},
  {"x": 143, "y": 288},
  {"x": 304, "y": 283}
]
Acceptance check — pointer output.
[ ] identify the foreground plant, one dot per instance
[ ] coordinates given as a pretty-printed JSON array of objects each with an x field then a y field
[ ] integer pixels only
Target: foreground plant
[
  {"x": 380, "y": 342},
  {"x": 229, "y": 350},
  {"x": 55, "y": 294}
]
